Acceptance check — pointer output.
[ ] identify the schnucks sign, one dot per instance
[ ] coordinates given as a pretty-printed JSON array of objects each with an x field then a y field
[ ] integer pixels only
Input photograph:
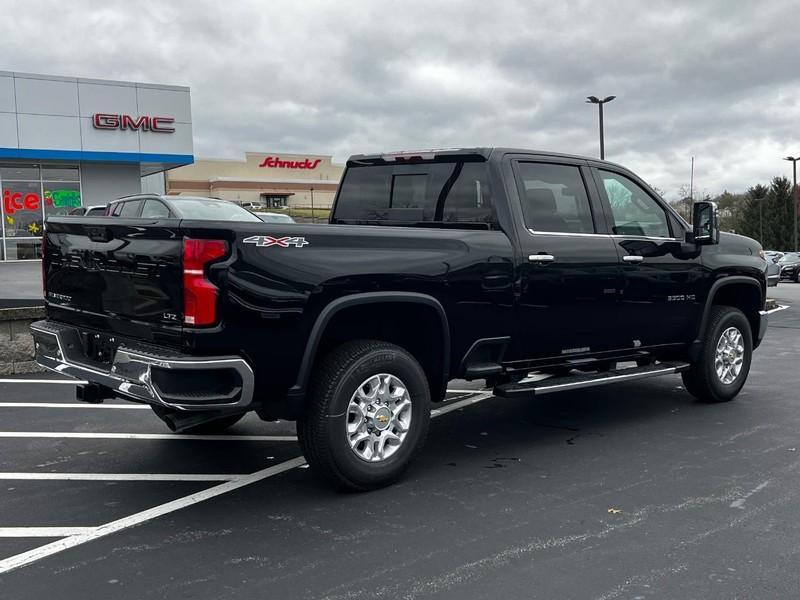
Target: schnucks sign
[{"x": 274, "y": 162}]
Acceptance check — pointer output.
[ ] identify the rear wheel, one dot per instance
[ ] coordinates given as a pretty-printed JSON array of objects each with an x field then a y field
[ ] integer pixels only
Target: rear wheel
[
  {"x": 367, "y": 415},
  {"x": 724, "y": 363}
]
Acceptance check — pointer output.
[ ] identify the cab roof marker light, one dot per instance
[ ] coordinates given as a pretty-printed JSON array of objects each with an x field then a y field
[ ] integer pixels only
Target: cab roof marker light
[{"x": 414, "y": 154}]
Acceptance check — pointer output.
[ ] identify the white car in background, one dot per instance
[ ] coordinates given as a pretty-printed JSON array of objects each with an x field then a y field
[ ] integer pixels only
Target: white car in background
[{"x": 270, "y": 217}]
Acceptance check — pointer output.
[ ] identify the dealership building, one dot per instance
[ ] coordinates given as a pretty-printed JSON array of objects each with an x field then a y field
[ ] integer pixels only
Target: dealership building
[
  {"x": 68, "y": 142},
  {"x": 268, "y": 179}
]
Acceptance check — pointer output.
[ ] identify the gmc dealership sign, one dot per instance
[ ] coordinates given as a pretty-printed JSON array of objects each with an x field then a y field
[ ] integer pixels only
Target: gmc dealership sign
[{"x": 127, "y": 122}]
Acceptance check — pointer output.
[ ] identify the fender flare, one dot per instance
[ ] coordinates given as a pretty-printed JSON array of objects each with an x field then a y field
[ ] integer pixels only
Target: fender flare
[
  {"x": 296, "y": 393},
  {"x": 715, "y": 287}
]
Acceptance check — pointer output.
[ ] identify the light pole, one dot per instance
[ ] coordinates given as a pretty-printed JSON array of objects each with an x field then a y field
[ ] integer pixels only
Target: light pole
[
  {"x": 794, "y": 199},
  {"x": 312, "y": 206},
  {"x": 596, "y": 100}
]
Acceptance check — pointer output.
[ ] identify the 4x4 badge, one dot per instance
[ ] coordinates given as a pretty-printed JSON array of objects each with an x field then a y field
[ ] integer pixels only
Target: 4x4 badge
[{"x": 264, "y": 241}]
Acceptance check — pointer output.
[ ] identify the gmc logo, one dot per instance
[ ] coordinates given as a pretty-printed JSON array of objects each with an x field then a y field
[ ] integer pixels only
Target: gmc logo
[{"x": 125, "y": 122}]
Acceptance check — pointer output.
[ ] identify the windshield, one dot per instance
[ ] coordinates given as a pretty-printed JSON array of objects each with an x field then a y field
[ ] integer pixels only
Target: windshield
[
  {"x": 207, "y": 209},
  {"x": 790, "y": 257}
]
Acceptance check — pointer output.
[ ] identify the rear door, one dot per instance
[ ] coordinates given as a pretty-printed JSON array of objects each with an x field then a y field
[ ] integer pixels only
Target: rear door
[
  {"x": 662, "y": 275},
  {"x": 569, "y": 270}
]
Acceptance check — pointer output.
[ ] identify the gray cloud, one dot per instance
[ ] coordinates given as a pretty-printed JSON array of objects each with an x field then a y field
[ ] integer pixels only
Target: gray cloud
[{"x": 717, "y": 80}]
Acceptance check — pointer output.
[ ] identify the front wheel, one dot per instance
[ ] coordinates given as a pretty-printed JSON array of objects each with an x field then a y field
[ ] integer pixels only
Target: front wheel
[
  {"x": 720, "y": 372},
  {"x": 367, "y": 415}
]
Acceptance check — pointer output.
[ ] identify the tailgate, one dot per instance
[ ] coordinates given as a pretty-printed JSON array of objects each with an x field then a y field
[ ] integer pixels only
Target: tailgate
[{"x": 115, "y": 275}]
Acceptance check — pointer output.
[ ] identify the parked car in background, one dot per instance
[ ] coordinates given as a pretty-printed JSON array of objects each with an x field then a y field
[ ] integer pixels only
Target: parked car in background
[
  {"x": 89, "y": 211},
  {"x": 790, "y": 266},
  {"x": 270, "y": 217},
  {"x": 773, "y": 255},
  {"x": 250, "y": 205},
  {"x": 195, "y": 208},
  {"x": 773, "y": 273}
]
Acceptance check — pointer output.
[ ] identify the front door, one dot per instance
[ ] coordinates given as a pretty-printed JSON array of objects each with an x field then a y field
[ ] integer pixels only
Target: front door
[
  {"x": 569, "y": 271},
  {"x": 661, "y": 297}
]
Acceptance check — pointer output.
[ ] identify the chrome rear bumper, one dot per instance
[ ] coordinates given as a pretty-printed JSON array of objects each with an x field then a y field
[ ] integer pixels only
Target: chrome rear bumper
[{"x": 156, "y": 375}]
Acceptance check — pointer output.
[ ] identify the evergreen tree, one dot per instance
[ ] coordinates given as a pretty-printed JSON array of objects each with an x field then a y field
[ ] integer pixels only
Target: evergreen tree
[
  {"x": 749, "y": 213},
  {"x": 778, "y": 214}
]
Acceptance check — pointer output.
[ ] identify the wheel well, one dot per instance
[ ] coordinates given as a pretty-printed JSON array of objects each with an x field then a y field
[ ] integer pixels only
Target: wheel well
[
  {"x": 415, "y": 327},
  {"x": 745, "y": 297}
]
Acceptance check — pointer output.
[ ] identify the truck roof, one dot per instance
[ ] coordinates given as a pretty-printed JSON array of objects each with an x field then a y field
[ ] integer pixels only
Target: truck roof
[{"x": 474, "y": 153}]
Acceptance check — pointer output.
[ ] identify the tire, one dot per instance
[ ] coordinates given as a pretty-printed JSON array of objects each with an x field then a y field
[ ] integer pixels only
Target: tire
[
  {"x": 702, "y": 379},
  {"x": 219, "y": 425},
  {"x": 337, "y": 415}
]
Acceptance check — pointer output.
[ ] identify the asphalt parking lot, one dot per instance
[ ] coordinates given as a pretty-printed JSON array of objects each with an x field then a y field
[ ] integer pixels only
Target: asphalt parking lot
[{"x": 627, "y": 491}]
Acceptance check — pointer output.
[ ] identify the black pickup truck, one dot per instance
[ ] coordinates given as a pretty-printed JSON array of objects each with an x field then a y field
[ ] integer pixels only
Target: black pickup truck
[{"x": 483, "y": 264}]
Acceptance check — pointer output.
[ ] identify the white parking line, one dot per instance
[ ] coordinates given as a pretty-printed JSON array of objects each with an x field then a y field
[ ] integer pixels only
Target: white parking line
[
  {"x": 92, "y": 533},
  {"x": 119, "y": 476},
  {"x": 23, "y": 532},
  {"x": 64, "y": 381},
  {"x": 146, "y": 436},
  {"x": 71, "y": 405},
  {"x": 779, "y": 307}
]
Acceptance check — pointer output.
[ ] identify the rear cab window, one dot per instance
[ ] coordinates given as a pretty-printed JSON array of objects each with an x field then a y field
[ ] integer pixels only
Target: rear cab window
[{"x": 453, "y": 192}]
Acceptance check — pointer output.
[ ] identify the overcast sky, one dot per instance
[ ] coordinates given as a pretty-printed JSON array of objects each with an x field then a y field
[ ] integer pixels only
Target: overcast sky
[{"x": 717, "y": 80}]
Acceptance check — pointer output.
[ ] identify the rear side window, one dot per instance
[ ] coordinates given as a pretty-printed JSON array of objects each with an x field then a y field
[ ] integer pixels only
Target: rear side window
[
  {"x": 154, "y": 209},
  {"x": 554, "y": 198},
  {"x": 127, "y": 209},
  {"x": 452, "y": 193}
]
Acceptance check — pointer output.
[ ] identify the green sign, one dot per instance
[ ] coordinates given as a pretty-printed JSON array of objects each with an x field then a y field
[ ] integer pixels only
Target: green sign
[{"x": 63, "y": 198}]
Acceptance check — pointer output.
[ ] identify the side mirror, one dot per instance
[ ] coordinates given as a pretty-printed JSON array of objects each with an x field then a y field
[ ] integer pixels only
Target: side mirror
[{"x": 705, "y": 223}]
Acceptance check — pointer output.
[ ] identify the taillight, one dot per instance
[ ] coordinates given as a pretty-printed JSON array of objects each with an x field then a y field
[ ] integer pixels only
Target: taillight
[{"x": 199, "y": 294}]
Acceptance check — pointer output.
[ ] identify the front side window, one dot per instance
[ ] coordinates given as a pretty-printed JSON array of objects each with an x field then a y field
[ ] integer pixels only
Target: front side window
[
  {"x": 633, "y": 210},
  {"x": 554, "y": 198},
  {"x": 455, "y": 192}
]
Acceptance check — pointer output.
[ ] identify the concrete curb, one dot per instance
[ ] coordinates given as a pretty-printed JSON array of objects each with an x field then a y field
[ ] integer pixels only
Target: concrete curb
[{"x": 16, "y": 343}]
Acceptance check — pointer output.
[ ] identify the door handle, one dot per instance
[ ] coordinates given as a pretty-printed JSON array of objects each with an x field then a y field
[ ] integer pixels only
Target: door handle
[
  {"x": 541, "y": 258},
  {"x": 633, "y": 258}
]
